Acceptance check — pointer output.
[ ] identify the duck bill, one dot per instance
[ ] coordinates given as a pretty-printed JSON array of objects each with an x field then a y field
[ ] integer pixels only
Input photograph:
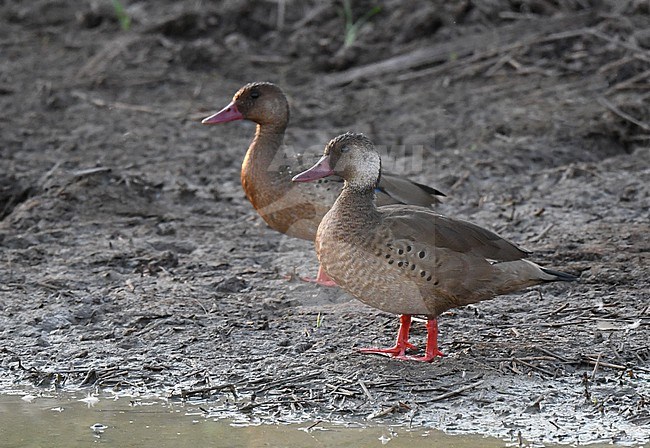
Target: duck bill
[
  {"x": 318, "y": 171},
  {"x": 228, "y": 113}
]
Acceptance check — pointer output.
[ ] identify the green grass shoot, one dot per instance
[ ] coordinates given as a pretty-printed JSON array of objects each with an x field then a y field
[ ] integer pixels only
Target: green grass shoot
[
  {"x": 351, "y": 27},
  {"x": 122, "y": 16}
]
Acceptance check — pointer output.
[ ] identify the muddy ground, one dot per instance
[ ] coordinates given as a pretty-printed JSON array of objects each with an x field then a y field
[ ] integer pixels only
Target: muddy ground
[{"x": 130, "y": 259}]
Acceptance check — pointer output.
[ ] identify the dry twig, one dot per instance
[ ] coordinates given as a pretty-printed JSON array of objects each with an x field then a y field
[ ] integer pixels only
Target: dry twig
[
  {"x": 455, "y": 392},
  {"x": 489, "y": 42},
  {"x": 606, "y": 103}
]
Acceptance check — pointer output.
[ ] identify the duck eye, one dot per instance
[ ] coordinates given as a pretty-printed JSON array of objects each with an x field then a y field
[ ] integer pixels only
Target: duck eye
[
  {"x": 345, "y": 149},
  {"x": 255, "y": 94}
]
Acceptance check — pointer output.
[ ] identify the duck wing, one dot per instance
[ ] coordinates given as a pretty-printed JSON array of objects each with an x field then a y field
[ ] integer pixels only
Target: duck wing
[{"x": 426, "y": 228}]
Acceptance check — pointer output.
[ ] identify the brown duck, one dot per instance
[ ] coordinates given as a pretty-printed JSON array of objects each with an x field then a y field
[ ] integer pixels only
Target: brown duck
[
  {"x": 405, "y": 259},
  {"x": 295, "y": 210}
]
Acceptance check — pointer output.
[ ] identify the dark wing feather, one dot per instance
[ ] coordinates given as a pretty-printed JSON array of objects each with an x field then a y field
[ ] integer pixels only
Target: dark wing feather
[{"x": 398, "y": 190}]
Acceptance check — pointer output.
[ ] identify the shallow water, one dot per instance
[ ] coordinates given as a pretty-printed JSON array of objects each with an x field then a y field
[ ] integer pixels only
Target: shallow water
[
  {"x": 81, "y": 420},
  {"x": 57, "y": 421}
]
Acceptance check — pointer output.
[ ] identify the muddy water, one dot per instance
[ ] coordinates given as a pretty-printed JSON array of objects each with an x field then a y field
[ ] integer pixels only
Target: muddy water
[{"x": 71, "y": 421}]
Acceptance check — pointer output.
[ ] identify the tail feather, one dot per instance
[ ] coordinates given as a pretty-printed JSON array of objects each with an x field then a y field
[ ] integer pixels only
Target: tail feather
[{"x": 558, "y": 276}]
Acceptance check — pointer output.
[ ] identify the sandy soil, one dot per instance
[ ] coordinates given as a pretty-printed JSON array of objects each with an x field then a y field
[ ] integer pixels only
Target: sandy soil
[{"x": 130, "y": 259}]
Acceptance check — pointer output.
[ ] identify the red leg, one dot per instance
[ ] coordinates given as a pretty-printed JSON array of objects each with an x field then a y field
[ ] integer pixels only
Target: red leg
[
  {"x": 402, "y": 343},
  {"x": 432, "y": 344},
  {"x": 321, "y": 278}
]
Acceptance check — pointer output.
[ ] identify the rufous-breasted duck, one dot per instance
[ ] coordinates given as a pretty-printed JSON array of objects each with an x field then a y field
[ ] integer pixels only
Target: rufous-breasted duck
[{"x": 406, "y": 259}]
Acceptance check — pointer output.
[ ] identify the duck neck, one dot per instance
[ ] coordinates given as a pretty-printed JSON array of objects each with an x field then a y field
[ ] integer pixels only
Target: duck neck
[
  {"x": 357, "y": 202},
  {"x": 265, "y": 145},
  {"x": 261, "y": 168}
]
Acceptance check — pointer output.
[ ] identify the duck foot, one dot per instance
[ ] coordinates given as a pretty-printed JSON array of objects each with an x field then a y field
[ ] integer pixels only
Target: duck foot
[
  {"x": 399, "y": 350},
  {"x": 321, "y": 278},
  {"x": 401, "y": 345},
  {"x": 425, "y": 358}
]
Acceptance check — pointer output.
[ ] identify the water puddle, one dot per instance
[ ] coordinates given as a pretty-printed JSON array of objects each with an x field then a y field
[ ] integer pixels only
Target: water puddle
[{"x": 69, "y": 420}]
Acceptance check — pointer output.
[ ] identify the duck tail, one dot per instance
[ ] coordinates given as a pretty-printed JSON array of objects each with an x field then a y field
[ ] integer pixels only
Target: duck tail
[{"x": 558, "y": 276}]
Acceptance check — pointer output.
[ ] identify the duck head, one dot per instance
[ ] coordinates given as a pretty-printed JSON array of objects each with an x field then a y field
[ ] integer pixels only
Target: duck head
[
  {"x": 260, "y": 102},
  {"x": 351, "y": 156}
]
